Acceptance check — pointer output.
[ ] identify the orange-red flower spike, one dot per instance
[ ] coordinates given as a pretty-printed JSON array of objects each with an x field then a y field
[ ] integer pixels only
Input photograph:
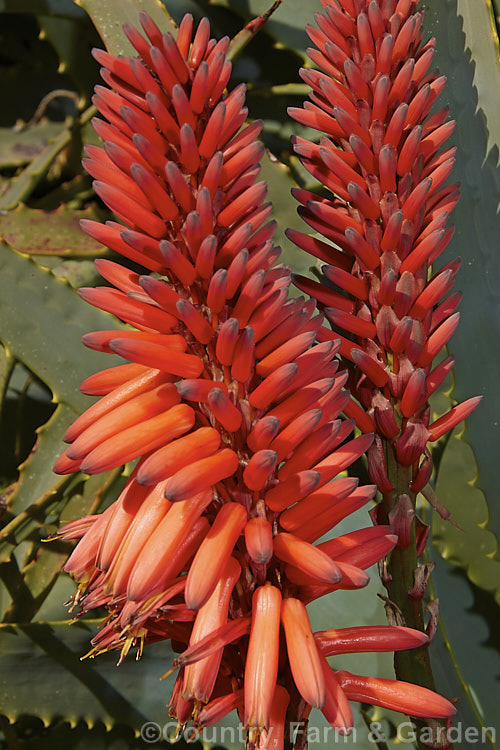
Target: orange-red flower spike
[
  {"x": 387, "y": 205},
  {"x": 234, "y": 419}
]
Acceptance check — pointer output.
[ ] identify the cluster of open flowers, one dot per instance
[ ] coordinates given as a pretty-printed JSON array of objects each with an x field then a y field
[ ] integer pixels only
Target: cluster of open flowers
[{"x": 229, "y": 406}]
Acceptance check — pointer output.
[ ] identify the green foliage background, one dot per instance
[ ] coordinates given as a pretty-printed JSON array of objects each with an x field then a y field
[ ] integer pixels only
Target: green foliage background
[{"x": 48, "y": 697}]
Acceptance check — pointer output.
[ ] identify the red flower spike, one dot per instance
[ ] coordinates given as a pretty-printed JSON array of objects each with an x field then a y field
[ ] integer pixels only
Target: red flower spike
[
  {"x": 212, "y": 410},
  {"x": 393, "y": 174}
]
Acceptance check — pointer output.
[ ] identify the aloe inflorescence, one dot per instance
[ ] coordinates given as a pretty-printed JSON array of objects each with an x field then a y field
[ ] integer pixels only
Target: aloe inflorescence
[
  {"x": 231, "y": 410},
  {"x": 384, "y": 162}
]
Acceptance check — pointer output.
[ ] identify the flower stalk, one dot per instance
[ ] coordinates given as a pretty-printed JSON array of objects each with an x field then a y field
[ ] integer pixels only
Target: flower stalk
[{"x": 399, "y": 574}]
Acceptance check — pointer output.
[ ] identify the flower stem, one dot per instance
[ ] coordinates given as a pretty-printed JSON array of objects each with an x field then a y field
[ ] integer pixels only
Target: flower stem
[{"x": 412, "y": 665}]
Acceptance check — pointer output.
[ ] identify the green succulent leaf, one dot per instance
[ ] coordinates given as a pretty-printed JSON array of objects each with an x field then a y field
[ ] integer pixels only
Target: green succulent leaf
[
  {"x": 110, "y": 16},
  {"x": 481, "y": 41},
  {"x": 36, "y": 232},
  {"x": 473, "y": 346},
  {"x": 48, "y": 341},
  {"x": 23, "y": 184},
  {"x": 36, "y": 478},
  {"x": 19, "y": 147},
  {"x": 37, "y": 581},
  {"x": 42, "y": 673},
  {"x": 465, "y": 660},
  {"x": 470, "y": 546}
]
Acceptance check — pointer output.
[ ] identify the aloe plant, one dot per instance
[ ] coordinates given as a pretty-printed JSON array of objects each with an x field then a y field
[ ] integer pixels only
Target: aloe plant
[{"x": 43, "y": 257}]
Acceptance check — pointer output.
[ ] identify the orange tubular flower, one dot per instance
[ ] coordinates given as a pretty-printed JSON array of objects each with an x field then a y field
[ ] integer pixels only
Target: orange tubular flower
[
  {"x": 228, "y": 405},
  {"x": 261, "y": 667}
]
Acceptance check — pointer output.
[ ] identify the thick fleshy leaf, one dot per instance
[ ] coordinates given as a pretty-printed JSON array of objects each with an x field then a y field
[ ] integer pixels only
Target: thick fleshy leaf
[
  {"x": 58, "y": 232},
  {"x": 482, "y": 42},
  {"x": 42, "y": 673},
  {"x": 109, "y": 17},
  {"x": 465, "y": 661},
  {"x": 471, "y": 545},
  {"x": 22, "y": 185},
  {"x": 33, "y": 307},
  {"x": 19, "y": 147},
  {"x": 36, "y": 477},
  {"x": 478, "y": 227}
]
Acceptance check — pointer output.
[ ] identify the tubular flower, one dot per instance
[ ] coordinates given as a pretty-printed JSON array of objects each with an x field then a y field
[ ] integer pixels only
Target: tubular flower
[
  {"x": 228, "y": 406},
  {"x": 383, "y": 158}
]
